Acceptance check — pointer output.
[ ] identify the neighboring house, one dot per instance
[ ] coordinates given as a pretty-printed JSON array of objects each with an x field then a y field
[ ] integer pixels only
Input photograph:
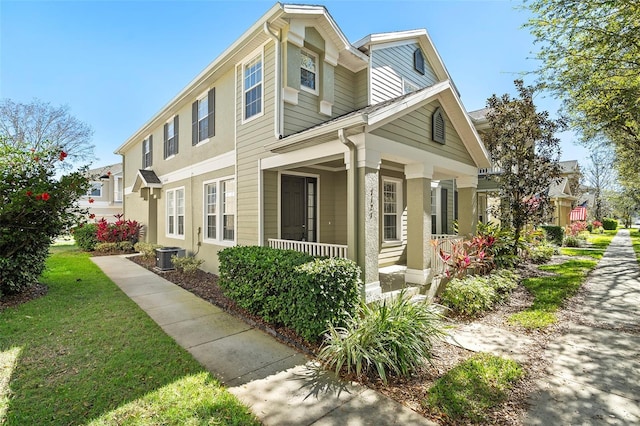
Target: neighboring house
[
  {"x": 295, "y": 137},
  {"x": 106, "y": 192},
  {"x": 561, "y": 193}
]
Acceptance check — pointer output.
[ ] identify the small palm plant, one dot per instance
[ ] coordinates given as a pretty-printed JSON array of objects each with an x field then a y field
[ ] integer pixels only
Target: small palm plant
[{"x": 390, "y": 337}]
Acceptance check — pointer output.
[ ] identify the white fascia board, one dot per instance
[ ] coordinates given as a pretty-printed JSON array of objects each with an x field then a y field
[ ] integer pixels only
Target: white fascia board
[
  {"x": 222, "y": 161},
  {"x": 378, "y": 38}
]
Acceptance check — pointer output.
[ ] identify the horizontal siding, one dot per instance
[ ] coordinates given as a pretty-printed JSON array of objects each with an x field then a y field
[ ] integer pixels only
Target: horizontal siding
[
  {"x": 392, "y": 65},
  {"x": 361, "y": 89},
  {"x": 414, "y": 129}
]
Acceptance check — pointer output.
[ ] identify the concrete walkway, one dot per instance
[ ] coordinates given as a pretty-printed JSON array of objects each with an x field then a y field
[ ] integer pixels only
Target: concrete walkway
[
  {"x": 281, "y": 386},
  {"x": 594, "y": 377}
]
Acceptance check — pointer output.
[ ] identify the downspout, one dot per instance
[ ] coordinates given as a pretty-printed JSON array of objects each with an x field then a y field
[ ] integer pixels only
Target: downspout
[
  {"x": 277, "y": 119},
  {"x": 352, "y": 200}
]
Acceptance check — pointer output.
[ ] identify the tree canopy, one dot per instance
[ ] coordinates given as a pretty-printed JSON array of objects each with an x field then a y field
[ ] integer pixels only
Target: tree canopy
[
  {"x": 590, "y": 58},
  {"x": 41, "y": 126},
  {"x": 522, "y": 143}
]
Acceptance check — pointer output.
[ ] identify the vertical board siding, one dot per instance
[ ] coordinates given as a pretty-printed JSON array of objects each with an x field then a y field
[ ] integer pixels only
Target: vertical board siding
[{"x": 390, "y": 66}]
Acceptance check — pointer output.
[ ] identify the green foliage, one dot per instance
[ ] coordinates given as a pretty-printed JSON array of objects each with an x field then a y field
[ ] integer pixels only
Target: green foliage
[
  {"x": 473, "y": 295},
  {"x": 523, "y": 142},
  {"x": 468, "y": 391},
  {"x": 609, "y": 224},
  {"x": 501, "y": 250},
  {"x": 85, "y": 236},
  {"x": 35, "y": 207},
  {"x": 555, "y": 234},
  {"x": 571, "y": 241},
  {"x": 394, "y": 337},
  {"x": 291, "y": 288},
  {"x": 147, "y": 250},
  {"x": 88, "y": 355},
  {"x": 106, "y": 247},
  {"x": 551, "y": 291},
  {"x": 186, "y": 264},
  {"x": 541, "y": 253}
]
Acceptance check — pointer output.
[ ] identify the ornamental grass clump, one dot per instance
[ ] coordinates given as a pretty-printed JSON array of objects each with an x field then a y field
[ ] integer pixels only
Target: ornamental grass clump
[{"x": 389, "y": 338}]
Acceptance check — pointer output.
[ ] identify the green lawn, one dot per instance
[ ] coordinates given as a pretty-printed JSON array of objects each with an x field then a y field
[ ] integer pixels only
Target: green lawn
[
  {"x": 635, "y": 240},
  {"x": 86, "y": 354},
  {"x": 551, "y": 291},
  {"x": 602, "y": 241}
]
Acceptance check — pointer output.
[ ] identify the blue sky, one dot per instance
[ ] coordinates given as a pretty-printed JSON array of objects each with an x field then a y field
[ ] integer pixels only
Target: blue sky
[{"x": 117, "y": 63}]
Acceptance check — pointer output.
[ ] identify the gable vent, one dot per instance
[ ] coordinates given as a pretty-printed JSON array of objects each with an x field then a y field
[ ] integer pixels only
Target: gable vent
[{"x": 438, "y": 126}]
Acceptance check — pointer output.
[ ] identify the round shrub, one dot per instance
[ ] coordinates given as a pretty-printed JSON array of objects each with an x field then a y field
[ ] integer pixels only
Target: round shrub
[
  {"x": 541, "y": 253},
  {"x": 609, "y": 224},
  {"x": 469, "y": 296},
  {"x": 85, "y": 236}
]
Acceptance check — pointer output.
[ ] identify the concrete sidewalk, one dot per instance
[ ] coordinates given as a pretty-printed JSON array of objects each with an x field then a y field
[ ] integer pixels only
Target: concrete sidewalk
[
  {"x": 281, "y": 386},
  {"x": 594, "y": 377}
]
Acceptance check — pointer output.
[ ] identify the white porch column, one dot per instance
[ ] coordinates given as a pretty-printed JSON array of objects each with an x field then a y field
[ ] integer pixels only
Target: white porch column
[
  {"x": 368, "y": 222},
  {"x": 467, "y": 205},
  {"x": 418, "y": 222}
]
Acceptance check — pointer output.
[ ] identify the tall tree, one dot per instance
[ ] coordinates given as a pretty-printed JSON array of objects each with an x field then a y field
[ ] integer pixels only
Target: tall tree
[
  {"x": 522, "y": 143},
  {"x": 590, "y": 58},
  {"x": 41, "y": 126},
  {"x": 600, "y": 177}
]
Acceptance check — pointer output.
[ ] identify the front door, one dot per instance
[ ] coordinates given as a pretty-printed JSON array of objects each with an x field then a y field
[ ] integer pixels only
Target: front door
[{"x": 298, "y": 208}]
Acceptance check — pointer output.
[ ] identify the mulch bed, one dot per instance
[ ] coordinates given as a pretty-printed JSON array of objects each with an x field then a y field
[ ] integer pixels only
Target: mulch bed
[{"x": 31, "y": 293}]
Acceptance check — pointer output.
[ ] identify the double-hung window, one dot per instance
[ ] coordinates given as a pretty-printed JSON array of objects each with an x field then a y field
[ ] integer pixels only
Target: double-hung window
[
  {"x": 175, "y": 213},
  {"x": 171, "y": 137},
  {"x": 392, "y": 209},
  {"x": 203, "y": 113},
  {"x": 95, "y": 190},
  {"x": 147, "y": 152},
  {"x": 220, "y": 208},
  {"x": 253, "y": 87},
  {"x": 309, "y": 71}
]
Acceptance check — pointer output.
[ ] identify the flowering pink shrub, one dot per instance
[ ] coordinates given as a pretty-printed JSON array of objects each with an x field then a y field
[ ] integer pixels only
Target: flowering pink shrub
[
  {"x": 596, "y": 224},
  {"x": 576, "y": 228},
  {"x": 472, "y": 255},
  {"x": 121, "y": 230}
]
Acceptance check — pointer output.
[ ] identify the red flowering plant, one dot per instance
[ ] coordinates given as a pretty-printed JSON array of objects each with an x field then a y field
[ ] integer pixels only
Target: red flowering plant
[
  {"x": 36, "y": 205},
  {"x": 469, "y": 256},
  {"x": 121, "y": 230},
  {"x": 575, "y": 228}
]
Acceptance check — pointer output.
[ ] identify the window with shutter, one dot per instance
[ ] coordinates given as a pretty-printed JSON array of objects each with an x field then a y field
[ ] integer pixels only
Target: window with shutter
[
  {"x": 202, "y": 113},
  {"x": 147, "y": 152},
  {"x": 171, "y": 137},
  {"x": 418, "y": 61},
  {"x": 438, "y": 126}
]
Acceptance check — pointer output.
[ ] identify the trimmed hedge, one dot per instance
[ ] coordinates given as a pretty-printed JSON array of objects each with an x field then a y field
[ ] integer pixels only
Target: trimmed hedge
[
  {"x": 289, "y": 288},
  {"x": 609, "y": 224},
  {"x": 555, "y": 234},
  {"x": 86, "y": 236}
]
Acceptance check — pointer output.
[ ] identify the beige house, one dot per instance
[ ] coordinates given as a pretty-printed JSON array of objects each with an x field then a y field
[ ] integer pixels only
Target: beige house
[
  {"x": 294, "y": 137},
  {"x": 106, "y": 193},
  {"x": 561, "y": 193}
]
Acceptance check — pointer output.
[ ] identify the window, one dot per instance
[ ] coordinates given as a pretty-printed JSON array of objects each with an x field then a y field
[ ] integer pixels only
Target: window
[
  {"x": 308, "y": 71},
  {"x": 392, "y": 209},
  {"x": 171, "y": 137},
  {"x": 147, "y": 152},
  {"x": 438, "y": 126},
  {"x": 95, "y": 190},
  {"x": 418, "y": 61},
  {"x": 211, "y": 211},
  {"x": 117, "y": 196},
  {"x": 253, "y": 87},
  {"x": 220, "y": 208},
  {"x": 228, "y": 209},
  {"x": 175, "y": 212},
  {"x": 202, "y": 117}
]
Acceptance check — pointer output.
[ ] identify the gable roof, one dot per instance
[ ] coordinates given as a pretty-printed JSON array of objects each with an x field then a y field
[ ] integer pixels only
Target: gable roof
[
  {"x": 146, "y": 179},
  {"x": 374, "y": 116}
]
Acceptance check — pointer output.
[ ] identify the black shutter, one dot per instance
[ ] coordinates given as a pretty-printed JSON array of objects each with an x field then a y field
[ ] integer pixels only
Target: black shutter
[
  {"x": 166, "y": 140},
  {"x": 195, "y": 138},
  {"x": 175, "y": 132},
  {"x": 150, "y": 151},
  {"x": 144, "y": 156},
  {"x": 211, "y": 99}
]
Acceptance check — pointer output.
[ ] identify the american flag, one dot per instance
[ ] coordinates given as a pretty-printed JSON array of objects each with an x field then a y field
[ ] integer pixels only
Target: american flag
[{"x": 579, "y": 213}]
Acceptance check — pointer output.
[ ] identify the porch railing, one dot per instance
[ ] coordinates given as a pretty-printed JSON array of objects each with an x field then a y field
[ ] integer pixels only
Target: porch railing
[
  {"x": 445, "y": 243},
  {"x": 314, "y": 249}
]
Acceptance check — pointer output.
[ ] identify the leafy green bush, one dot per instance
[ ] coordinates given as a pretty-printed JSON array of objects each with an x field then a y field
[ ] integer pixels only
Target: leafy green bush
[
  {"x": 609, "y": 224},
  {"x": 390, "y": 337},
  {"x": 291, "y": 288},
  {"x": 541, "y": 253},
  {"x": 147, "y": 250},
  {"x": 125, "y": 246},
  {"x": 469, "y": 296},
  {"x": 106, "y": 247},
  {"x": 85, "y": 236},
  {"x": 186, "y": 264},
  {"x": 554, "y": 233},
  {"x": 501, "y": 250},
  {"x": 473, "y": 295},
  {"x": 571, "y": 241}
]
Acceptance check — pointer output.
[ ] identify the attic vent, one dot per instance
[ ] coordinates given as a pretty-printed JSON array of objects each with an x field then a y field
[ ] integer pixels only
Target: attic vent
[
  {"x": 418, "y": 61},
  {"x": 438, "y": 126}
]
